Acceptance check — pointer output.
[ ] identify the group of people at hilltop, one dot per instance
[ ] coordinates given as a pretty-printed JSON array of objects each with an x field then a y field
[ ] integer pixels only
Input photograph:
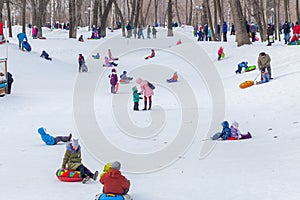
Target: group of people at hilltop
[{"x": 138, "y": 32}]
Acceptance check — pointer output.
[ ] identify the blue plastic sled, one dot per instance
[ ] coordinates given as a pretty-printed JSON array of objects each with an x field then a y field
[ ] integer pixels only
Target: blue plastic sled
[
  {"x": 26, "y": 46},
  {"x": 111, "y": 197}
]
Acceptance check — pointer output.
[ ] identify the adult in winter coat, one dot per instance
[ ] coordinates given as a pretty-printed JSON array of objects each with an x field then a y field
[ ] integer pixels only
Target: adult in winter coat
[
  {"x": 50, "y": 140},
  {"x": 114, "y": 182},
  {"x": 113, "y": 81},
  {"x": 147, "y": 91},
  {"x": 72, "y": 160},
  {"x": 224, "y": 30},
  {"x": 148, "y": 32},
  {"x": 22, "y": 38},
  {"x": 10, "y": 80},
  {"x": 81, "y": 62},
  {"x": 264, "y": 62},
  {"x": 154, "y": 31},
  {"x": 253, "y": 31},
  {"x": 270, "y": 32},
  {"x": 286, "y": 30}
]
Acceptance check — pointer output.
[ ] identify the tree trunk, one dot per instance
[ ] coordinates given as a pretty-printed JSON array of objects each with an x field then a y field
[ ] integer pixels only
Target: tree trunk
[
  {"x": 297, "y": 10},
  {"x": 239, "y": 22},
  {"x": 105, "y": 16},
  {"x": 136, "y": 19},
  {"x": 155, "y": 11},
  {"x": 191, "y": 12},
  {"x": 285, "y": 2},
  {"x": 72, "y": 19},
  {"x": 23, "y": 16},
  {"x": 9, "y": 18},
  {"x": 177, "y": 13},
  {"x": 121, "y": 17},
  {"x": 170, "y": 18},
  {"x": 210, "y": 21},
  {"x": 186, "y": 11},
  {"x": 221, "y": 15},
  {"x": 1, "y": 9},
  {"x": 133, "y": 7},
  {"x": 95, "y": 13},
  {"x": 147, "y": 12}
]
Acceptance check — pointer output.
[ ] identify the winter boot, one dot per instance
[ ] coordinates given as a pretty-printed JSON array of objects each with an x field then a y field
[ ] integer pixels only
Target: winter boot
[
  {"x": 150, "y": 104},
  {"x": 95, "y": 175},
  {"x": 70, "y": 137},
  {"x": 145, "y": 104},
  {"x": 85, "y": 180}
]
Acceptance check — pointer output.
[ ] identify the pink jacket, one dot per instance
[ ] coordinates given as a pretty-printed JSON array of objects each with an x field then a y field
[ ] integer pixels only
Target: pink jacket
[
  {"x": 220, "y": 51},
  {"x": 107, "y": 61},
  {"x": 145, "y": 87}
]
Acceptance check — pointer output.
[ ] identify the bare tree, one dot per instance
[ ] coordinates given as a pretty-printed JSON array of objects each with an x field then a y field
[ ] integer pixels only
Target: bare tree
[
  {"x": 105, "y": 16},
  {"x": 177, "y": 13},
  {"x": 170, "y": 17},
  {"x": 239, "y": 21},
  {"x": 9, "y": 18},
  {"x": 147, "y": 12},
  {"x": 297, "y": 10},
  {"x": 24, "y": 16},
  {"x": 191, "y": 13},
  {"x": 72, "y": 19},
  {"x": 210, "y": 20},
  {"x": 121, "y": 17}
]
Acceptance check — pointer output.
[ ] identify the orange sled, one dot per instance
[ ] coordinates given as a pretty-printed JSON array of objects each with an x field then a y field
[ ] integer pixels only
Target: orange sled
[{"x": 246, "y": 84}]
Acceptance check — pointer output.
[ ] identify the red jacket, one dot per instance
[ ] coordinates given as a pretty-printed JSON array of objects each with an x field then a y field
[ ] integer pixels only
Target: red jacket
[
  {"x": 114, "y": 182},
  {"x": 220, "y": 51},
  {"x": 296, "y": 29}
]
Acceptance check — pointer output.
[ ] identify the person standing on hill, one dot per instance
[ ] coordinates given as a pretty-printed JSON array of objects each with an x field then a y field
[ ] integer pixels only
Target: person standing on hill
[
  {"x": 264, "y": 63},
  {"x": 81, "y": 61}
]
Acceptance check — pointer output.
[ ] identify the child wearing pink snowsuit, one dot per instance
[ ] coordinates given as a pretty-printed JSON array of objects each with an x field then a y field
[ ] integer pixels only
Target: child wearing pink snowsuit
[{"x": 220, "y": 52}]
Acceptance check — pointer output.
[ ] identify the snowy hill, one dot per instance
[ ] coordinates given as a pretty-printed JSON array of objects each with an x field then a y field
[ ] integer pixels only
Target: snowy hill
[{"x": 164, "y": 152}]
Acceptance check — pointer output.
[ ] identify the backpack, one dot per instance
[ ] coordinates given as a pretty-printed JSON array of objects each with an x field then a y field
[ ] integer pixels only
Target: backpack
[{"x": 151, "y": 85}]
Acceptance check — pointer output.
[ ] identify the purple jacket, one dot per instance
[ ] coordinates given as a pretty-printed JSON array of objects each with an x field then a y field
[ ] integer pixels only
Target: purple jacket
[
  {"x": 113, "y": 78},
  {"x": 234, "y": 132}
]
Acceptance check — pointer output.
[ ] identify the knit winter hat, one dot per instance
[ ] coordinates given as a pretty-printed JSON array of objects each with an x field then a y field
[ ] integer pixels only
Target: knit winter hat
[
  {"x": 235, "y": 124},
  {"x": 116, "y": 165},
  {"x": 113, "y": 70},
  {"x": 75, "y": 143}
]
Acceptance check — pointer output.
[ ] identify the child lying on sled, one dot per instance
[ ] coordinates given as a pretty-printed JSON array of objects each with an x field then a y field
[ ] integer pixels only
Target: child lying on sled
[{"x": 173, "y": 79}]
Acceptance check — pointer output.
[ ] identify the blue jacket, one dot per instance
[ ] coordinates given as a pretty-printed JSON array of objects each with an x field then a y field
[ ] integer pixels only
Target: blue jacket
[
  {"x": 48, "y": 139},
  {"x": 225, "y": 28},
  {"x": 226, "y": 132}
]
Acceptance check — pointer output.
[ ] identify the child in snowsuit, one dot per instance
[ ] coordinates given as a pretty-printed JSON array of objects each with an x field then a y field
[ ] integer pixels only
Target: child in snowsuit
[
  {"x": 109, "y": 63},
  {"x": 173, "y": 79},
  {"x": 45, "y": 55},
  {"x": 110, "y": 56},
  {"x": 240, "y": 66},
  {"x": 136, "y": 98},
  {"x": 265, "y": 77},
  {"x": 224, "y": 134},
  {"x": 236, "y": 134},
  {"x": 113, "y": 81},
  {"x": 220, "y": 52},
  {"x": 125, "y": 78},
  {"x": 152, "y": 54},
  {"x": 72, "y": 160},
  {"x": 50, "y": 140},
  {"x": 22, "y": 38},
  {"x": 97, "y": 56},
  {"x": 80, "y": 39}
]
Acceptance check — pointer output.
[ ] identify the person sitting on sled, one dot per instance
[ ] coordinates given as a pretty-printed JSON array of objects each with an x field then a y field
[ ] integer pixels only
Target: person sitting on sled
[
  {"x": 110, "y": 56},
  {"x": 265, "y": 77},
  {"x": 114, "y": 182},
  {"x": 80, "y": 39},
  {"x": 72, "y": 160},
  {"x": 294, "y": 40},
  {"x": 109, "y": 63},
  {"x": 236, "y": 134},
  {"x": 152, "y": 54},
  {"x": 45, "y": 55},
  {"x": 125, "y": 78},
  {"x": 97, "y": 56},
  {"x": 50, "y": 140},
  {"x": 224, "y": 134},
  {"x": 174, "y": 78}
]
